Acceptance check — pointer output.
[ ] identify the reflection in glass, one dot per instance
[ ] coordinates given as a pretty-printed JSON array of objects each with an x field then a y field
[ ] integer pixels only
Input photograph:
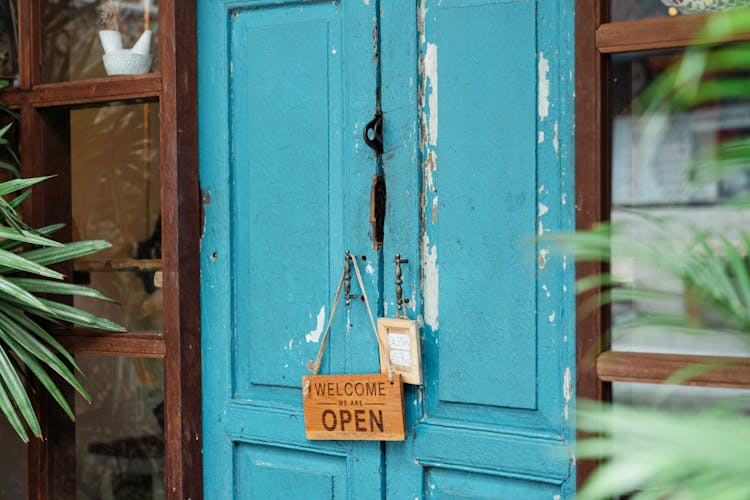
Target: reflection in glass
[
  {"x": 654, "y": 164},
  {"x": 119, "y": 439},
  {"x": 12, "y": 457},
  {"x": 672, "y": 397},
  {"x": 114, "y": 153},
  {"x": 631, "y": 10},
  {"x": 71, "y": 46},
  {"x": 9, "y": 41}
]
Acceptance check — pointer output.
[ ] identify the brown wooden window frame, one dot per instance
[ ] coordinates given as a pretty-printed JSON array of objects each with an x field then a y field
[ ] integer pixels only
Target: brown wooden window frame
[
  {"x": 174, "y": 87},
  {"x": 596, "y": 38}
]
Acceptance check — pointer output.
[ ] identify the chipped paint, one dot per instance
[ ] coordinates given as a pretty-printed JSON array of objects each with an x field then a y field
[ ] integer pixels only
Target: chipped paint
[
  {"x": 541, "y": 189},
  {"x": 564, "y": 199},
  {"x": 555, "y": 141},
  {"x": 430, "y": 282},
  {"x": 546, "y": 291},
  {"x": 291, "y": 343},
  {"x": 540, "y": 137},
  {"x": 567, "y": 391},
  {"x": 543, "y": 209},
  {"x": 431, "y": 82},
  {"x": 551, "y": 317},
  {"x": 369, "y": 269},
  {"x": 314, "y": 335},
  {"x": 543, "y": 257},
  {"x": 430, "y": 166},
  {"x": 367, "y": 2},
  {"x": 434, "y": 209},
  {"x": 543, "y": 87},
  {"x": 565, "y": 262},
  {"x": 541, "y": 228},
  {"x": 556, "y": 497}
]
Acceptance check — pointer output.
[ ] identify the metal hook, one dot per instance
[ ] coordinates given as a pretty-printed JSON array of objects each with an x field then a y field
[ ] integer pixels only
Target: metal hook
[
  {"x": 400, "y": 301},
  {"x": 348, "y": 279},
  {"x": 376, "y": 127}
]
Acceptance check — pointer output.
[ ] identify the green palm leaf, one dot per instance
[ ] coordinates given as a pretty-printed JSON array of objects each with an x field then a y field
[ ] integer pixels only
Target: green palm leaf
[
  {"x": 47, "y": 256},
  {"x": 58, "y": 288},
  {"x": 17, "y": 392},
  {"x": 25, "y": 355}
]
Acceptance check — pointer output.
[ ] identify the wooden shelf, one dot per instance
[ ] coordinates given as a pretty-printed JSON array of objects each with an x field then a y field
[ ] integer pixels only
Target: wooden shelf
[
  {"x": 133, "y": 344},
  {"x": 657, "y": 33},
  {"x": 117, "y": 265},
  {"x": 113, "y": 88},
  {"x": 653, "y": 368}
]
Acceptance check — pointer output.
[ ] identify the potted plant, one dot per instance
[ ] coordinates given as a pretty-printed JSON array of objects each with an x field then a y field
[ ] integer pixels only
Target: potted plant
[
  {"x": 119, "y": 61},
  {"x": 27, "y": 285}
]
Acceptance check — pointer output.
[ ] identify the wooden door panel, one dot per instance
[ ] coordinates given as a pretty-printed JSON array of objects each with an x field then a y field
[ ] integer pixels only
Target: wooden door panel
[
  {"x": 450, "y": 484},
  {"x": 494, "y": 416},
  {"x": 285, "y": 88},
  {"x": 289, "y": 170}
]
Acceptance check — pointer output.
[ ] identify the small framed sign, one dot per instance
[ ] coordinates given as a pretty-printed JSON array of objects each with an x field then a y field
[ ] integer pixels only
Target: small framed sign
[
  {"x": 400, "y": 349},
  {"x": 354, "y": 407}
]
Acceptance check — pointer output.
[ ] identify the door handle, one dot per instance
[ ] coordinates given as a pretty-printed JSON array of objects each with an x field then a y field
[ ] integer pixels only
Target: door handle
[{"x": 373, "y": 133}]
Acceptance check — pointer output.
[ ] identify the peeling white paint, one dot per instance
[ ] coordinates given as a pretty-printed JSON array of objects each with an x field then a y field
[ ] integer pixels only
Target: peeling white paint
[
  {"x": 367, "y": 2},
  {"x": 546, "y": 291},
  {"x": 556, "y": 497},
  {"x": 431, "y": 80},
  {"x": 291, "y": 343},
  {"x": 567, "y": 390},
  {"x": 369, "y": 269},
  {"x": 564, "y": 199},
  {"x": 314, "y": 335},
  {"x": 555, "y": 141},
  {"x": 565, "y": 262},
  {"x": 540, "y": 137},
  {"x": 543, "y": 87},
  {"x": 543, "y": 256},
  {"x": 543, "y": 209},
  {"x": 429, "y": 167},
  {"x": 565, "y": 288},
  {"x": 541, "y": 228},
  {"x": 430, "y": 282},
  {"x": 541, "y": 189},
  {"x": 552, "y": 317},
  {"x": 434, "y": 209}
]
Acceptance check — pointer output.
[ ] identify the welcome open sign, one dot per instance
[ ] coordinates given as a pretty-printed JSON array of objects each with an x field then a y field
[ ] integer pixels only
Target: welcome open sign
[{"x": 354, "y": 407}]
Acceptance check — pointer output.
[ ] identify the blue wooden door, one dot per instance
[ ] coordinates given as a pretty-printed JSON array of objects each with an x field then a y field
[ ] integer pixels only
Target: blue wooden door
[{"x": 477, "y": 103}]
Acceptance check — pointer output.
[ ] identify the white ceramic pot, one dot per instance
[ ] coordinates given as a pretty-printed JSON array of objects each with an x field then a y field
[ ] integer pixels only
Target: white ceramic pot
[
  {"x": 111, "y": 40},
  {"x": 126, "y": 63}
]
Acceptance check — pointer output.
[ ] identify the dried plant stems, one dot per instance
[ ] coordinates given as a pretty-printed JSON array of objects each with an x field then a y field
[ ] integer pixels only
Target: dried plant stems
[{"x": 109, "y": 10}]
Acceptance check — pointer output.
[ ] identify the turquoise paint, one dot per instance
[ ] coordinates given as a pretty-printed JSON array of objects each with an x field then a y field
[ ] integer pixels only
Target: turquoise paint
[{"x": 285, "y": 88}]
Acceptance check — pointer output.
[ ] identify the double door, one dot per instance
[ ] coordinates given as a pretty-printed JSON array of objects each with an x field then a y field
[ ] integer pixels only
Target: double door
[{"x": 476, "y": 100}]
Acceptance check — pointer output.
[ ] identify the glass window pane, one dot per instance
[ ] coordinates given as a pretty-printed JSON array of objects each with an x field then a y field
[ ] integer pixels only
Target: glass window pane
[
  {"x": 672, "y": 397},
  {"x": 12, "y": 462},
  {"x": 115, "y": 183},
  {"x": 120, "y": 435},
  {"x": 630, "y": 10},
  {"x": 72, "y": 48},
  {"x": 662, "y": 149},
  {"x": 9, "y": 42}
]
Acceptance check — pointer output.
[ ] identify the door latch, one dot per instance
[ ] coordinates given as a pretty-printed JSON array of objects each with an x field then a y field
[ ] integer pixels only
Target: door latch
[{"x": 373, "y": 133}]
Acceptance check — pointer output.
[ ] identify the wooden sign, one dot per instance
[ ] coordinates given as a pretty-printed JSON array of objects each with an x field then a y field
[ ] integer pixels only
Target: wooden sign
[
  {"x": 354, "y": 407},
  {"x": 399, "y": 349}
]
